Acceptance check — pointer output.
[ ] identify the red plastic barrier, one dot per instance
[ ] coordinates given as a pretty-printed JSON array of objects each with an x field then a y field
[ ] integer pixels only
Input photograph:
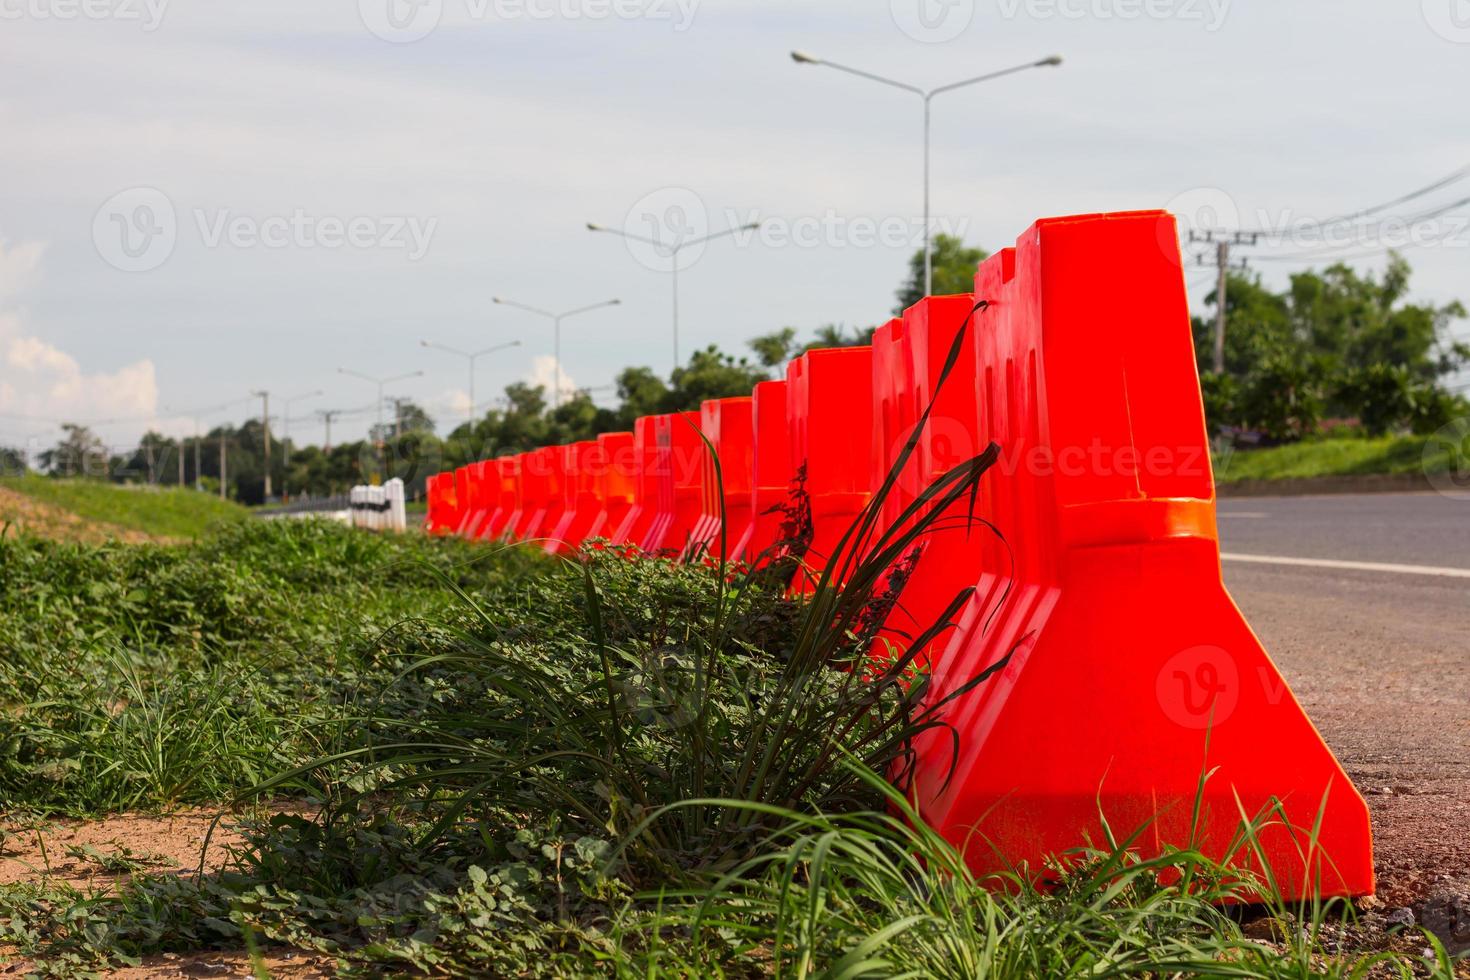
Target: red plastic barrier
[
  {"x": 581, "y": 466},
  {"x": 1130, "y": 671},
  {"x": 771, "y": 472},
  {"x": 726, "y": 423},
  {"x": 439, "y": 491},
  {"x": 508, "y": 515},
  {"x": 639, "y": 521},
  {"x": 618, "y": 485},
  {"x": 829, "y": 397},
  {"x": 476, "y": 508},
  {"x": 492, "y": 495},
  {"x": 463, "y": 495},
  {"x": 677, "y": 470},
  {"x": 539, "y": 487},
  {"x": 909, "y": 355}
]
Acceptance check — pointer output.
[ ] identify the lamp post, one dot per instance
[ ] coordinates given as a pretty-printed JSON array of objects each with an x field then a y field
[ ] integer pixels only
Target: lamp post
[
  {"x": 673, "y": 252},
  {"x": 380, "y": 382},
  {"x": 556, "y": 319},
  {"x": 472, "y": 357},
  {"x": 803, "y": 58}
]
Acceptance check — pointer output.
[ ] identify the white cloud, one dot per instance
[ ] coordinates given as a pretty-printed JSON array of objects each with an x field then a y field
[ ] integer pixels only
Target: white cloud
[
  {"x": 44, "y": 382},
  {"x": 543, "y": 373}
]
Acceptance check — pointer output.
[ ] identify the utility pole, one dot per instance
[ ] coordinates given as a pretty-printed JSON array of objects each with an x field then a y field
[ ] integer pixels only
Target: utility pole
[
  {"x": 327, "y": 415},
  {"x": 1222, "y": 241},
  {"x": 265, "y": 427}
]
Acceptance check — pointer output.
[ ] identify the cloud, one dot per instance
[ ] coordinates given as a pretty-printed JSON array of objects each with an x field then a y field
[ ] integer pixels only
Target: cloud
[
  {"x": 45, "y": 383},
  {"x": 543, "y": 373}
]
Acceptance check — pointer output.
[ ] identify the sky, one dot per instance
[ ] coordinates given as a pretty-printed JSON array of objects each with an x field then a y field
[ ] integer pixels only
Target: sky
[{"x": 202, "y": 200}]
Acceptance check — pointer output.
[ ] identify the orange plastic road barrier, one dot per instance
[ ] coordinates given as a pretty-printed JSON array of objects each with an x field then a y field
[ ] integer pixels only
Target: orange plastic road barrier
[
  {"x": 492, "y": 495},
  {"x": 618, "y": 484},
  {"x": 439, "y": 489},
  {"x": 829, "y": 398},
  {"x": 581, "y": 467},
  {"x": 677, "y": 469},
  {"x": 726, "y": 423},
  {"x": 463, "y": 491},
  {"x": 477, "y": 508},
  {"x": 771, "y": 473},
  {"x": 537, "y": 487},
  {"x": 893, "y": 416},
  {"x": 1123, "y": 669},
  {"x": 909, "y": 356},
  {"x": 638, "y": 522},
  {"x": 508, "y": 516}
]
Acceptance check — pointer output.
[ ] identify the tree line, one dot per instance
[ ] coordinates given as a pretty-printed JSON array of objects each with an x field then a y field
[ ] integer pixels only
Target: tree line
[{"x": 1335, "y": 348}]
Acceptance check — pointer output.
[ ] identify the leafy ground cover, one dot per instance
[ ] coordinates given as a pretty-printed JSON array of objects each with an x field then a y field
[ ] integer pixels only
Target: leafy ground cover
[
  {"x": 1339, "y": 457},
  {"x": 457, "y": 761},
  {"x": 157, "y": 512}
]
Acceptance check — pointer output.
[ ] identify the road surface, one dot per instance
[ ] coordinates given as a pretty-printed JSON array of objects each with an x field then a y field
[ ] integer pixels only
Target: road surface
[{"x": 1364, "y": 603}]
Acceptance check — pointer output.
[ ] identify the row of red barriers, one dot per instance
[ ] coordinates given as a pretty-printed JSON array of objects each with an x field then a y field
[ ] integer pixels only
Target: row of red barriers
[{"x": 1120, "y": 670}]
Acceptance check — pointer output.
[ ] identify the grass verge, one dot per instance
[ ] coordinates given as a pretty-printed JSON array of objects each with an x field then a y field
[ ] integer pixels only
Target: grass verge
[
  {"x": 160, "y": 512},
  {"x": 1337, "y": 457}
]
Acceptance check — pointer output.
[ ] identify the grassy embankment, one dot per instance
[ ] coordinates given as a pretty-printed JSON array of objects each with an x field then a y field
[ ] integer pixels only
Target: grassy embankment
[{"x": 155, "y": 511}]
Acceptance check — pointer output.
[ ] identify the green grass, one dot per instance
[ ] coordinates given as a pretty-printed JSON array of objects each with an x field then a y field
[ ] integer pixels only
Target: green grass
[
  {"x": 1336, "y": 457},
  {"x": 158, "y": 511},
  {"x": 515, "y": 766}
]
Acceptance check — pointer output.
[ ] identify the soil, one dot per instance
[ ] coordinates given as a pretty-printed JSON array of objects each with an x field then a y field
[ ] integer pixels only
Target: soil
[
  {"x": 26, "y": 515},
  {"x": 72, "y": 852}
]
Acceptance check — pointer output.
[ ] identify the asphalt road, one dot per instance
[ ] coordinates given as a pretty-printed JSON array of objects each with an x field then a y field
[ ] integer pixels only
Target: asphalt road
[{"x": 1370, "y": 624}]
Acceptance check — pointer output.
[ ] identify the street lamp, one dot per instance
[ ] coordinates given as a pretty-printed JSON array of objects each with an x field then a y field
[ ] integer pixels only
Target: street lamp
[
  {"x": 380, "y": 382},
  {"x": 803, "y": 58},
  {"x": 673, "y": 251},
  {"x": 556, "y": 319},
  {"x": 472, "y": 357}
]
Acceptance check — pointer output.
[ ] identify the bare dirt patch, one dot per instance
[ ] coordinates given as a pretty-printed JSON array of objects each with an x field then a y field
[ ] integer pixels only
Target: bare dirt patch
[
  {"x": 99, "y": 855},
  {"x": 26, "y": 515},
  {"x": 95, "y": 853}
]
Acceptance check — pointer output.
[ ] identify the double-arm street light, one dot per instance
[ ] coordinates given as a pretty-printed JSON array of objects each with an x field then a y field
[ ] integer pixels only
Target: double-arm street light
[
  {"x": 381, "y": 383},
  {"x": 556, "y": 319},
  {"x": 673, "y": 252},
  {"x": 803, "y": 58},
  {"x": 472, "y": 357}
]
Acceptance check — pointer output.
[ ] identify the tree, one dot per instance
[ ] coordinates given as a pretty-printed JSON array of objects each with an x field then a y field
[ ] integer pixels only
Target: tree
[
  {"x": 836, "y": 335},
  {"x": 774, "y": 349},
  {"x": 79, "y": 453},
  {"x": 954, "y": 268},
  {"x": 13, "y": 462},
  {"x": 711, "y": 373},
  {"x": 1334, "y": 343}
]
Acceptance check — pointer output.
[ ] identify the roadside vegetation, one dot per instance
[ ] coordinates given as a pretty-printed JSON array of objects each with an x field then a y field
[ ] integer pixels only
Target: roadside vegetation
[
  {"x": 480, "y": 761},
  {"x": 1345, "y": 455},
  {"x": 162, "y": 512}
]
